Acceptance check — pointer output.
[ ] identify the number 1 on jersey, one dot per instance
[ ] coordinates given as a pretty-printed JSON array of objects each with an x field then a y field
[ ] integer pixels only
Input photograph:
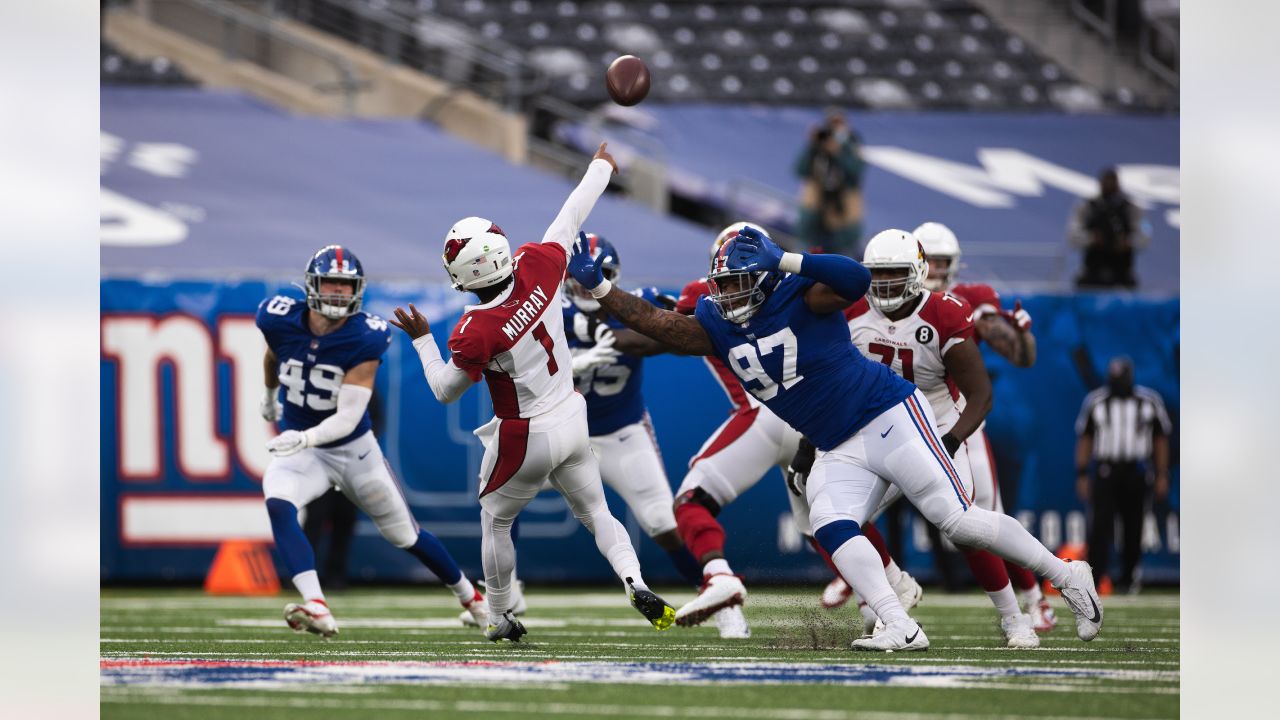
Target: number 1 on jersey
[{"x": 540, "y": 333}]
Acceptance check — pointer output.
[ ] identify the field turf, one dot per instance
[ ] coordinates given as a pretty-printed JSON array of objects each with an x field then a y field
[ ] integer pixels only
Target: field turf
[{"x": 179, "y": 654}]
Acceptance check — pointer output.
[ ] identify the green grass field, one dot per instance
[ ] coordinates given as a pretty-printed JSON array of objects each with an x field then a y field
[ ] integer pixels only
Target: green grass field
[{"x": 179, "y": 654}]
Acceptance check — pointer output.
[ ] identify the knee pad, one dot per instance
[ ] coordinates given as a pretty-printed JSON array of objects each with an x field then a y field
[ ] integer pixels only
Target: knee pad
[
  {"x": 835, "y": 534},
  {"x": 974, "y": 527},
  {"x": 700, "y": 497}
]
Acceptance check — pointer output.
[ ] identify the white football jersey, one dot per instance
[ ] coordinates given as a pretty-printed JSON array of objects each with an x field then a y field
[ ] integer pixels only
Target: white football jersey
[
  {"x": 516, "y": 342},
  {"x": 914, "y": 346}
]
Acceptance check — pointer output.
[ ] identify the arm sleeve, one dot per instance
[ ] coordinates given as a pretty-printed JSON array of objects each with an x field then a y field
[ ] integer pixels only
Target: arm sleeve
[
  {"x": 446, "y": 379},
  {"x": 352, "y": 402},
  {"x": 564, "y": 229},
  {"x": 1084, "y": 423},
  {"x": 848, "y": 277}
]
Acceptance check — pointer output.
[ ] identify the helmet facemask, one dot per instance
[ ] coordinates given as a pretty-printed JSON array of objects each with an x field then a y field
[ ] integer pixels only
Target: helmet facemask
[
  {"x": 580, "y": 296},
  {"x": 896, "y": 285},
  {"x": 941, "y": 280},
  {"x": 738, "y": 294},
  {"x": 334, "y": 305}
]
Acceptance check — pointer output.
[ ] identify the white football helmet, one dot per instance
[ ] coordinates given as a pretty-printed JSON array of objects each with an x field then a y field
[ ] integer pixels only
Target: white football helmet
[
  {"x": 895, "y": 250},
  {"x": 476, "y": 254},
  {"x": 730, "y": 232},
  {"x": 939, "y": 243}
]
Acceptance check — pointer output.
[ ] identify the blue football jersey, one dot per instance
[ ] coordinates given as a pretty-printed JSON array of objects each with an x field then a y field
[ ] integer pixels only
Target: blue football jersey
[
  {"x": 803, "y": 366},
  {"x": 312, "y": 366},
  {"x": 612, "y": 391}
]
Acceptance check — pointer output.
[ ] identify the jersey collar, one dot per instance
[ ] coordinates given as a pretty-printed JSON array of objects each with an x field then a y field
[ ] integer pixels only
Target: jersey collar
[{"x": 502, "y": 297}]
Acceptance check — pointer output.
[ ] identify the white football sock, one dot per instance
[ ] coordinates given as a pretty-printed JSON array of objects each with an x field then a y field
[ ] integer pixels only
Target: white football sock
[
  {"x": 893, "y": 572},
  {"x": 308, "y": 584},
  {"x": 498, "y": 555},
  {"x": 1030, "y": 597},
  {"x": 1005, "y": 601},
  {"x": 463, "y": 589},
  {"x": 861, "y": 567},
  {"x": 719, "y": 566}
]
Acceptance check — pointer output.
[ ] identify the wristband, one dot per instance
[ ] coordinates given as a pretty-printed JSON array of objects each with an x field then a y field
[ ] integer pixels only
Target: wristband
[
  {"x": 790, "y": 262},
  {"x": 602, "y": 289}
]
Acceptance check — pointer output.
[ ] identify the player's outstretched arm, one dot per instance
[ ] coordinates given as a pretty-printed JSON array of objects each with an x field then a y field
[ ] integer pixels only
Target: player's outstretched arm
[
  {"x": 965, "y": 367},
  {"x": 630, "y": 342},
  {"x": 1010, "y": 335},
  {"x": 680, "y": 333},
  {"x": 564, "y": 229},
  {"x": 841, "y": 280},
  {"x": 447, "y": 381}
]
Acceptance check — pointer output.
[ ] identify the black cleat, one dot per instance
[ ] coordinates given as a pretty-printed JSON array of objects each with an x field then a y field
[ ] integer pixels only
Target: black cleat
[
  {"x": 653, "y": 608},
  {"x": 508, "y": 628}
]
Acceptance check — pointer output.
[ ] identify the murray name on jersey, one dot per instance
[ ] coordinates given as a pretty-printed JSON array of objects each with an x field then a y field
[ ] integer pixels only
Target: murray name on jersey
[
  {"x": 783, "y": 344},
  {"x": 613, "y": 391},
  {"x": 312, "y": 366}
]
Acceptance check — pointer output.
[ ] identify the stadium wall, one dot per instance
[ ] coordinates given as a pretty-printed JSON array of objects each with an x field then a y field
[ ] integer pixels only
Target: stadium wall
[{"x": 182, "y": 442}]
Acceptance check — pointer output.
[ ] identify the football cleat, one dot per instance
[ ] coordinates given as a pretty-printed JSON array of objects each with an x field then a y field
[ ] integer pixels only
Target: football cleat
[
  {"x": 507, "y": 628},
  {"x": 718, "y": 591},
  {"x": 909, "y": 591},
  {"x": 904, "y": 635},
  {"x": 1043, "y": 618},
  {"x": 518, "y": 608},
  {"x": 1082, "y": 598},
  {"x": 836, "y": 593},
  {"x": 477, "y": 610},
  {"x": 1018, "y": 631},
  {"x": 312, "y": 616},
  {"x": 653, "y": 608},
  {"x": 732, "y": 623}
]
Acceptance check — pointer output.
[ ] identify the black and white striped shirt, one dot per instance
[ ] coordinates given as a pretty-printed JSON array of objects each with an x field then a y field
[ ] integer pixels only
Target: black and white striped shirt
[{"x": 1122, "y": 426}]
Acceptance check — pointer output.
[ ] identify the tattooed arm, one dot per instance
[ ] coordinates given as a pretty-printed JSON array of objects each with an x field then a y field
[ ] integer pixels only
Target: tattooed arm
[
  {"x": 1018, "y": 348},
  {"x": 682, "y": 334}
]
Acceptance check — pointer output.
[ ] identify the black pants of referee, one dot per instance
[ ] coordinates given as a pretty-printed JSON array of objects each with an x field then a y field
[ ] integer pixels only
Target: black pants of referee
[{"x": 1118, "y": 487}]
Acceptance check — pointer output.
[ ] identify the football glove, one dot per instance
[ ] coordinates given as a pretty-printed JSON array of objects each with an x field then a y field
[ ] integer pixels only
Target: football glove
[
  {"x": 581, "y": 265},
  {"x": 797, "y": 474},
  {"x": 752, "y": 250},
  {"x": 602, "y": 353},
  {"x": 287, "y": 443},
  {"x": 1019, "y": 318},
  {"x": 270, "y": 407}
]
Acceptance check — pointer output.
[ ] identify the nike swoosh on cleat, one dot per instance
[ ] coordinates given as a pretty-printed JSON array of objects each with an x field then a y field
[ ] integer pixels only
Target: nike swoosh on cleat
[
  {"x": 913, "y": 637},
  {"x": 1097, "y": 616},
  {"x": 366, "y": 452},
  {"x": 886, "y": 432}
]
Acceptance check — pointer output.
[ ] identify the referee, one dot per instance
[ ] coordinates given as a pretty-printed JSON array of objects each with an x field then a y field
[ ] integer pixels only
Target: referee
[{"x": 1122, "y": 427}]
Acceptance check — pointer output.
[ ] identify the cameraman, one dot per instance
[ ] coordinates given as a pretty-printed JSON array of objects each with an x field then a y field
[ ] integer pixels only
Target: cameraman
[
  {"x": 1108, "y": 227},
  {"x": 830, "y": 167}
]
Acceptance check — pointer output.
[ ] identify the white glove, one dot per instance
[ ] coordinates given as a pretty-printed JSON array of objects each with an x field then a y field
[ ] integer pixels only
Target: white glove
[
  {"x": 270, "y": 407},
  {"x": 287, "y": 443},
  {"x": 602, "y": 353}
]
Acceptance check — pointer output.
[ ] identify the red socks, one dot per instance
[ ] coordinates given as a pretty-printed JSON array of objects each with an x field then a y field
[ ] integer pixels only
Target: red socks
[{"x": 699, "y": 530}]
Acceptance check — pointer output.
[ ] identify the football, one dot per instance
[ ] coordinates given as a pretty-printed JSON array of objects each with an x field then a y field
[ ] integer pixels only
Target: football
[{"x": 627, "y": 80}]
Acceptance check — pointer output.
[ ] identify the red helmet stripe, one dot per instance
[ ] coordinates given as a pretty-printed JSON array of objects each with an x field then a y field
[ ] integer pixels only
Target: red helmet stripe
[
  {"x": 338, "y": 249},
  {"x": 591, "y": 244}
]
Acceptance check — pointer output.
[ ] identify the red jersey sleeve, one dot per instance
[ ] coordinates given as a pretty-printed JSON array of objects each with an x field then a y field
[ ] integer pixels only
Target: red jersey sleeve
[
  {"x": 857, "y": 309},
  {"x": 470, "y": 352},
  {"x": 952, "y": 317},
  {"x": 688, "y": 300},
  {"x": 981, "y": 297}
]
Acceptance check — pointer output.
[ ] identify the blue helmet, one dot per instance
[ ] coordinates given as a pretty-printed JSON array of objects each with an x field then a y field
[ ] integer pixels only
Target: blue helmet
[
  {"x": 334, "y": 262},
  {"x": 738, "y": 293},
  {"x": 603, "y": 252}
]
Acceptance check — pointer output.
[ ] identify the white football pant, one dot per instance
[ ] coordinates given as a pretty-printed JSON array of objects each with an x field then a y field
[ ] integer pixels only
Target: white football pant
[
  {"x": 739, "y": 453},
  {"x": 631, "y": 464}
]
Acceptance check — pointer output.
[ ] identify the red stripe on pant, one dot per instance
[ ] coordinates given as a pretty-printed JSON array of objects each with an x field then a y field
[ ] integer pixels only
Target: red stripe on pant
[
  {"x": 734, "y": 429},
  {"x": 513, "y": 443}
]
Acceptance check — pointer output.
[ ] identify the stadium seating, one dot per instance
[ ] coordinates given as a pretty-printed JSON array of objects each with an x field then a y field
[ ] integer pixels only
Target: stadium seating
[
  {"x": 119, "y": 68},
  {"x": 917, "y": 54}
]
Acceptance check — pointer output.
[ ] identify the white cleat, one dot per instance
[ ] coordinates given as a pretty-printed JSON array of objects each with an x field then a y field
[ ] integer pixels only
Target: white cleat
[
  {"x": 481, "y": 619},
  {"x": 312, "y": 616},
  {"x": 719, "y": 591},
  {"x": 476, "y": 612},
  {"x": 1043, "y": 618},
  {"x": 1083, "y": 600},
  {"x": 1018, "y": 632},
  {"x": 732, "y": 623},
  {"x": 905, "y": 635},
  {"x": 909, "y": 591},
  {"x": 836, "y": 594}
]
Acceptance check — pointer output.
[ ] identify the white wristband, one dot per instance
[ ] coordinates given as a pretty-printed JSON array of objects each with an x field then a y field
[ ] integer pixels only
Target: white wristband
[
  {"x": 790, "y": 262},
  {"x": 602, "y": 289}
]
